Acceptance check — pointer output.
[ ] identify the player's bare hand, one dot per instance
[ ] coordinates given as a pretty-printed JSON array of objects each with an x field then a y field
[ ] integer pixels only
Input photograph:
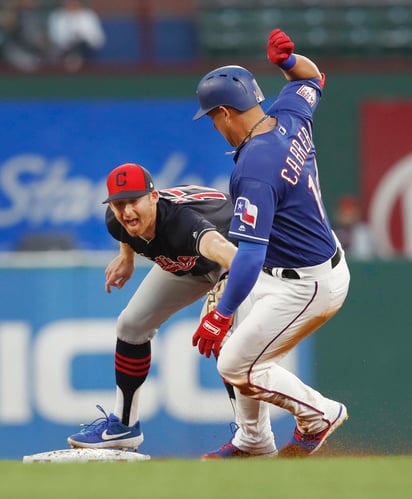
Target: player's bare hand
[
  {"x": 279, "y": 46},
  {"x": 118, "y": 272},
  {"x": 211, "y": 332}
]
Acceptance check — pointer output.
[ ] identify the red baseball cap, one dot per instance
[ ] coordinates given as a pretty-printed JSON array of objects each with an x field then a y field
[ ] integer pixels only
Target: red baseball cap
[{"x": 128, "y": 181}]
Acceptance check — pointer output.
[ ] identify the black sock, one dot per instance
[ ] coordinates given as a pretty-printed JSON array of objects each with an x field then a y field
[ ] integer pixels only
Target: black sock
[{"x": 132, "y": 365}]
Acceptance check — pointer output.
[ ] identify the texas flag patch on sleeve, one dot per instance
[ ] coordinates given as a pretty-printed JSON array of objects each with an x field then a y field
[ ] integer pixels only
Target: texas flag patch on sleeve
[{"x": 246, "y": 211}]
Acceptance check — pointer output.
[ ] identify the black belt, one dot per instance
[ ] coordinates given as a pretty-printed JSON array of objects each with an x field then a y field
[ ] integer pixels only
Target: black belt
[{"x": 292, "y": 274}]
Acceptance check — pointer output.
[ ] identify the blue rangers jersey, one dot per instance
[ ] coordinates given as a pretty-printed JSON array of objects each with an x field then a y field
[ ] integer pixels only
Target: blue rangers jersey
[{"x": 275, "y": 185}]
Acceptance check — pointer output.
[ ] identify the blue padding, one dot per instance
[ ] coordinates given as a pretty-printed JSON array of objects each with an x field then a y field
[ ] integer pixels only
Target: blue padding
[
  {"x": 175, "y": 39},
  {"x": 122, "y": 40}
]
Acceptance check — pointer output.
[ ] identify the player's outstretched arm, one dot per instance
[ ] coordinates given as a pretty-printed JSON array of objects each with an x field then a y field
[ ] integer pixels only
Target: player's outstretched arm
[
  {"x": 280, "y": 51},
  {"x": 120, "y": 269},
  {"x": 218, "y": 249}
]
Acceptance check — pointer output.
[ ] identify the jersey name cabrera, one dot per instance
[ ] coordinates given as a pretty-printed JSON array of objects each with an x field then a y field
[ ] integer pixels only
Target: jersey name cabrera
[
  {"x": 184, "y": 214},
  {"x": 275, "y": 185}
]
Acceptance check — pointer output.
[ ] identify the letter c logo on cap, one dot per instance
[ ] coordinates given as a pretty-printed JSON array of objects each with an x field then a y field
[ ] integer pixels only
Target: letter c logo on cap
[{"x": 119, "y": 181}]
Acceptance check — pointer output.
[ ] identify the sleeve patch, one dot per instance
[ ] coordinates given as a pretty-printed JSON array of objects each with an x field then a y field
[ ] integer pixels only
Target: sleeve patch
[
  {"x": 246, "y": 211},
  {"x": 308, "y": 93}
]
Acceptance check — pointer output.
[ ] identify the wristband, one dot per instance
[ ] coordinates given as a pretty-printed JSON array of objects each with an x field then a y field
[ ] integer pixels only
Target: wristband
[{"x": 289, "y": 63}]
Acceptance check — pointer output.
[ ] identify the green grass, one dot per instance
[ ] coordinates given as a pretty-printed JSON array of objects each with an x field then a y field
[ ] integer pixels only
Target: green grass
[{"x": 318, "y": 478}]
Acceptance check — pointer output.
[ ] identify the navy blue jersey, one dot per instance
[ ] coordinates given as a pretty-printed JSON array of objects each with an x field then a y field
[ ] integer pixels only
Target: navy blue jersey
[
  {"x": 184, "y": 214},
  {"x": 275, "y": 185}
]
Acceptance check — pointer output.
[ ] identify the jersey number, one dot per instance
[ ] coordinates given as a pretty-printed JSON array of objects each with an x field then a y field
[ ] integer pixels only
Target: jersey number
[
  {"x": 180, "y": 196},
  {"x": 314, "y": 187}
]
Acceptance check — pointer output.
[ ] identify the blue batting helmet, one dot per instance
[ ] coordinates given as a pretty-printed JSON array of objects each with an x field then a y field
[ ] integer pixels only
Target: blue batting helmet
[{"x": 232, "y": 86}]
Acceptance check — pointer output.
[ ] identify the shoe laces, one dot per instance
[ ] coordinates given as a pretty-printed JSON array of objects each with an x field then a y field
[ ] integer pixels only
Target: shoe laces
[
  {"x": 98, "y": 422},
  {"x": 233, "y": 428}
]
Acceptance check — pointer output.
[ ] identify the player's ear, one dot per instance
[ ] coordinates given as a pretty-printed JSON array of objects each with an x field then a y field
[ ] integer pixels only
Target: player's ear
[
  {"x": 225, "y": 110},
  {"x": 230, "y": 113},
  {"x": 154, "y": 196},
  {"x": 216, "y": 110}
]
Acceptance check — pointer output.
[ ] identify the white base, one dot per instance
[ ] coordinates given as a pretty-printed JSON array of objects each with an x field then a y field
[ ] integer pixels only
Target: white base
[{"x": 85, "y": 456}]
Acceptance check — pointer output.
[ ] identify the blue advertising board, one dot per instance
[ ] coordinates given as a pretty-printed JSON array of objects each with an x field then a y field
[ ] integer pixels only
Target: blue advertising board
[
  {"x": 56, "y": 154},
  {"x": 57, "y": 340}
]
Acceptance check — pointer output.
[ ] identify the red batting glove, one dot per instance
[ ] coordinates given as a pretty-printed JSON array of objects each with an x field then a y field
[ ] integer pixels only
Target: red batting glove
[
  {"x": 279, "y": 47},
  {"x": 210, "y": 333}
]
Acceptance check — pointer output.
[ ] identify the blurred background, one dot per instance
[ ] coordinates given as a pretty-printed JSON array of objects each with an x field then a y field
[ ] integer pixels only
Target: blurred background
[{"x": 86, "y": 86}]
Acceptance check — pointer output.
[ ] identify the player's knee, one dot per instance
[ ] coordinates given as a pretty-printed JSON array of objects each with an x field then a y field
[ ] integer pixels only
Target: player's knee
[
  {"x": 229, "y": 369},
  {"x": 133, "y": 331}
]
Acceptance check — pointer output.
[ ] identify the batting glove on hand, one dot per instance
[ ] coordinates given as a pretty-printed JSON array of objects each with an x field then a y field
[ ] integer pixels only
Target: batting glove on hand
[
  {"x": 279, "y": 47},
  {"x": 209, "y": 335}
]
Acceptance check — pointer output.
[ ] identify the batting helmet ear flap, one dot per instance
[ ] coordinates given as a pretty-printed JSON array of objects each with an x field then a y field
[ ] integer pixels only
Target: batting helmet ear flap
[{"x": 232, "y": 86}]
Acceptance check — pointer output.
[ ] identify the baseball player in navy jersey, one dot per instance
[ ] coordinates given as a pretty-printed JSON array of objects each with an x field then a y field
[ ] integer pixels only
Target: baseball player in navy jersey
[
  {"x": 289, "y": 275},
  {"x": 182, "y": 230}
]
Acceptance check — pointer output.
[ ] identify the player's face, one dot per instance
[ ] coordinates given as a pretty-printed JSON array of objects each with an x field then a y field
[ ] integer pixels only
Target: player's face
[{"x": 137, "y": 215}]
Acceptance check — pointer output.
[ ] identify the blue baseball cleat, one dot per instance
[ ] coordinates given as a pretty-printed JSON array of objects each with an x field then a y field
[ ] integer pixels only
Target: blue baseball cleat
[
  {"x": 302, "y": 445},
  {"x": 107, "y": 433},
  {"x": 229, "y": 450}
]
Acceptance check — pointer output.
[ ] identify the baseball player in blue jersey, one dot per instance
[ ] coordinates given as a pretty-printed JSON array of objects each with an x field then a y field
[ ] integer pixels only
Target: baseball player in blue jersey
[
  {"x": 289, "y": 275},
  {"x": 182, "y": 230}
]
